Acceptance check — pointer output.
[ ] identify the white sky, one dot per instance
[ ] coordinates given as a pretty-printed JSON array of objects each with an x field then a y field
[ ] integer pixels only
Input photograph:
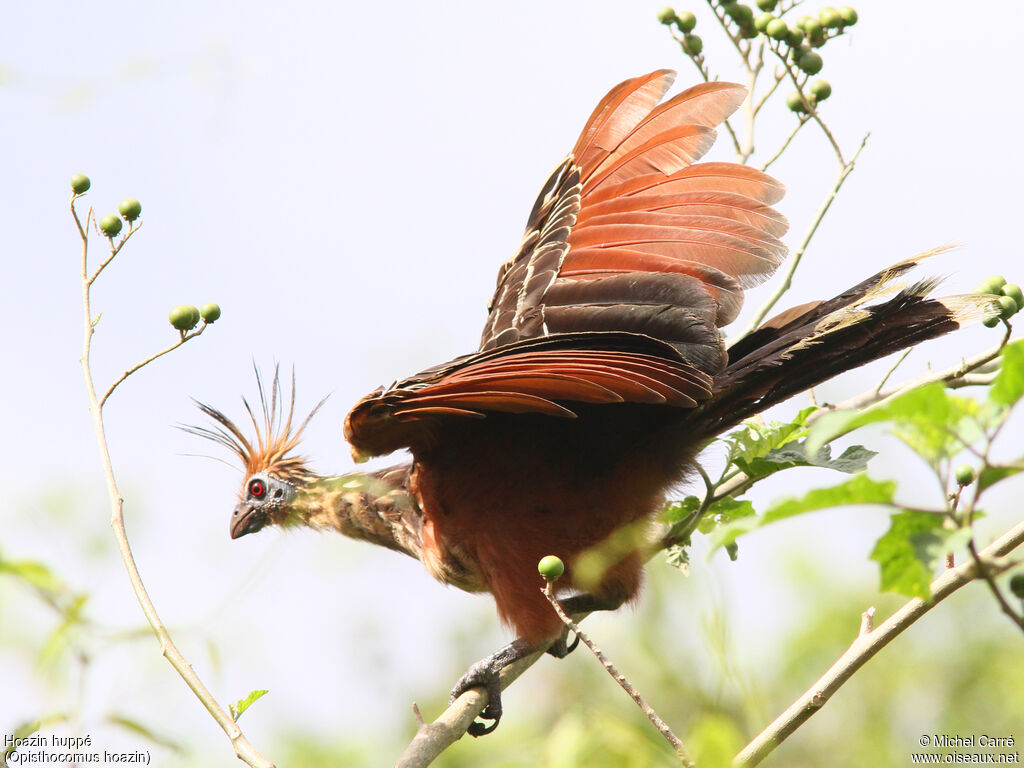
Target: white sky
[{"x": 344, "y": 179}]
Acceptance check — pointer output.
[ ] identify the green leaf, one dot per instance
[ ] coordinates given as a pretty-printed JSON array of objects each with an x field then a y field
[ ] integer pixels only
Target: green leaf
[
  {"x": 678, "y": 556},
  {"x": 33, "y": 572},
  {"x": 794, "y": 454},
  {"x": 145, "y": 732},
  {"x": 910, "y": 552},
  {"x": 932, "y": 422},
  {"x": 28, "y": 728},
  {"x": 858, "y": 490},
  {"x": 929, "y": 404},
  {"x": 754, "y": 440},
  {"x": 1008, "y": 386},
  {"x": 680, "y": 510},
  {"x": 243, "y": 704},
  {"x": 992, "y": 474},
  {"x": 725, "y": 511},
  {"x": 61, "y": 638}
]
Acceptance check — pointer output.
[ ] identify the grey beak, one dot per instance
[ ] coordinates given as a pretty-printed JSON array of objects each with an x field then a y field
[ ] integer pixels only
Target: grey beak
[{"x": 244, "y": 520}]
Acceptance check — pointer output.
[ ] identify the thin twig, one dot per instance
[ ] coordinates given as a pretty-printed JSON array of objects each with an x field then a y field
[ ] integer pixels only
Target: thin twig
[
  {"x": 892, "y": 370},
  {"x": 647, "y": 709},
  {"x": 865, "y": 646},
  {"x": 778, "y": 78},
  {"x": 801, "y": 122},
  {"x": 949, "y": 376},
  {"x": 811, "y": 108},
  {"x": 986, "y": 574},
  {"x": 114, "y": 249},
  {"x": 739, "y": 483},
  {"x": 794, "y": 261},
  {"x": 433, "y": 738},
  {"x": 183, "y": 338},
  {"x": 243, "y": 749}
]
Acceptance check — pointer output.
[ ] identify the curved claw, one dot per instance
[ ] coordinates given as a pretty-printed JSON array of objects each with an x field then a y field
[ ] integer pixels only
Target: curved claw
[
  {"x": 483, "y": 674},
  {"x": 560, "y": 648}
]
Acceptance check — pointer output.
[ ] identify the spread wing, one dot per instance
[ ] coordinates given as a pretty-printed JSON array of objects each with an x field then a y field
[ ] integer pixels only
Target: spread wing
[
  {"x": 633, "y": 256},
  {"x": 628, "y": 225}
]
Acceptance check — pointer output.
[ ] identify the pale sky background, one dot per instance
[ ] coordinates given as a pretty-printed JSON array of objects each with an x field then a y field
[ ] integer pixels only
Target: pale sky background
[{"x": 344, "y": 179}]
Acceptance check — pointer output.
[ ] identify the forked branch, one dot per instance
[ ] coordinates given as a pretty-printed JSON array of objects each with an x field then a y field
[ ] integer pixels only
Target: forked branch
[
  {"x": 866, "y": 645},
  {"x": 243, "y": 749}
]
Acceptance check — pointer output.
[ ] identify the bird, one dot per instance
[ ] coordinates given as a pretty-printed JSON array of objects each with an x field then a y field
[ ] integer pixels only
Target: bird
[{"x": 601, "y": 374}]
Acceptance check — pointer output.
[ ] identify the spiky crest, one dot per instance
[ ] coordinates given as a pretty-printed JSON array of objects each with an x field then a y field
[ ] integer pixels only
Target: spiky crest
[{"x": 271, "y": 451}]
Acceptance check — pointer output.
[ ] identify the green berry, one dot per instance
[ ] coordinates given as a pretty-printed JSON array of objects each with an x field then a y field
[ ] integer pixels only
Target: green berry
[
  {"x": 767, "y": 5},
  {"x": 110, "y": 225},
  {"x": 740, "y": 13},
  {"x": 992, "y": 284},
  {"x": 964, "y": 474},
  {"x": 991, "y": 322},
  {"x": 182, "y": 317},
  {"x": 795, "y": 103},
  {"x": 830, "y": 17},
  {"x": 810, "y": 63},
  {"x": 801, "y": 23},
  {"x": 795, "y": 37},
  {"x": 848, "y": 15},
  {"x": 748, "y": 31},
  {"x": 550, "y": 567},
  {"x": 80, "y": 183},
  {"x": 666, "y": 15},
  {"x": 1017, "y": 585},
  {"x": 130, "y": 208},
  {"x": 811, "y": 26},
  {"x": 210, "y": 312},
  {"x": 1014, "y": 292},
  {"x": 1007, "y": 307},
  {"x": 821, "y": 89},
  {"x": 686, "y": 21},
  {"x": 692, "y": 45},
  {"x": 761, "y": 22},
  {"x": 777, "y": 29}
]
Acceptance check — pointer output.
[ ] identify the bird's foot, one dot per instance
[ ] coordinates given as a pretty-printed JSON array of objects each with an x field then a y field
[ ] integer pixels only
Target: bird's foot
[
  {"x": 561, "y": 648},
  {"x": 485, "y": 674}
]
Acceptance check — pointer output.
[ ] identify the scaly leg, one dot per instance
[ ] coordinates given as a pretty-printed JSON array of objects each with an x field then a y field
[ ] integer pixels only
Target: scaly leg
[{"x": 485, "y": 673}]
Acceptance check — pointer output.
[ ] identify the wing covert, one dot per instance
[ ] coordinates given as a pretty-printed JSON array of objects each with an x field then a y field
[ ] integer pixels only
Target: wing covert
[{"x": 631, "y": 207}]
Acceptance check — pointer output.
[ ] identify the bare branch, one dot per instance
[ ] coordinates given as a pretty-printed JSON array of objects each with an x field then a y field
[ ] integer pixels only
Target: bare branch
[
  {"x": 647, "y": 709},
  {"x": 243, "y": 749},
  {"x": 785, "y": 145},
  {"x": 952, "y": 377},
  {"x": 184, "y": 337},
  {"x": 794, "y": 260},
  {"x": 432, "y": 739},
  {"x": 986, "y": 573},
  {"x": 867, "y": 645}
]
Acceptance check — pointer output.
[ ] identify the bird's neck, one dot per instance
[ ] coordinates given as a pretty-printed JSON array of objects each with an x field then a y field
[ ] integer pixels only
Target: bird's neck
[{"x": 374, "y": 507}]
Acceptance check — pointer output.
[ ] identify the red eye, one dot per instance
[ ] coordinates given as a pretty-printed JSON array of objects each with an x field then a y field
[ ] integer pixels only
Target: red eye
[{"x": 257, "y": 489}]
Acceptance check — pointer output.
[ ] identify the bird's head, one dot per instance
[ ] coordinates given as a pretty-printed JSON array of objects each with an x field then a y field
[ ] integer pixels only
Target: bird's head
[{"x": 274, "y": 475}]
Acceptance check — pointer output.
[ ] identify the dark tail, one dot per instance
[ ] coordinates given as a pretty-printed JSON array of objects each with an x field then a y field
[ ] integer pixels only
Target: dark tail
[{"x": 809, "y": 344}]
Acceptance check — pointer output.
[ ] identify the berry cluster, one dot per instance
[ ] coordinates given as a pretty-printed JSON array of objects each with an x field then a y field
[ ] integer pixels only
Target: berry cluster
[
  {"x": 685, "y": 22},
  {"x": 1011, "y": 298},
  {"x": 183, "y": 317},
  {"x": 795, "y": 42},
  {"x": 110, "y": 225}
]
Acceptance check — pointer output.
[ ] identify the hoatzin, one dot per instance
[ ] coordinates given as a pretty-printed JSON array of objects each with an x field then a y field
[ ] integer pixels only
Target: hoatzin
[{"x": 600, "y": 374}]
